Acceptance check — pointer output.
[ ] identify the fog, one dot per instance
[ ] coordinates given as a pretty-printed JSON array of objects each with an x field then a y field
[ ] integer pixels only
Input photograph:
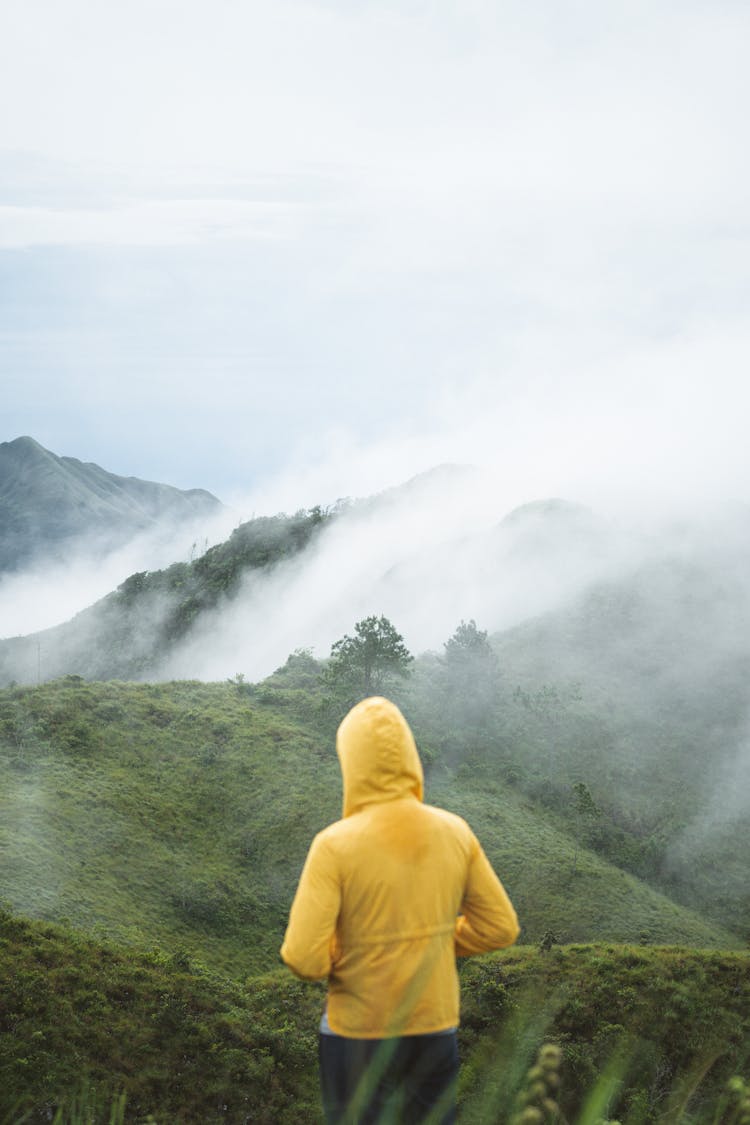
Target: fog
[
  {"x": 647, "y": 610},
  {"x": 427, "y": 555},
  {"x": 50, "y": 591},
  {"x": 455, "y": 543}
]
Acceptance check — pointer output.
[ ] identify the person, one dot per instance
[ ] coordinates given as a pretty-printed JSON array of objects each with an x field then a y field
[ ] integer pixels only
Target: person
[{"x": 388, "y": 897}]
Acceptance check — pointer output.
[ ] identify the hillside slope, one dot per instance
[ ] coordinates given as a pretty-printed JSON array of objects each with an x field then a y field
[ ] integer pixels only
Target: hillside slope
[
  {"x": 129, "y": 633},
  {"x": 662, "y": 1028},
  {"x": 47, "y": 502},
  {"x": 655, "y": 671},
  {"x": 180, "y": 815}
]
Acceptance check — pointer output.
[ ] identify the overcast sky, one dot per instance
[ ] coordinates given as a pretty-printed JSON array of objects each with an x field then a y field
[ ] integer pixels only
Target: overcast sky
[{"x": 293, "y": 251}]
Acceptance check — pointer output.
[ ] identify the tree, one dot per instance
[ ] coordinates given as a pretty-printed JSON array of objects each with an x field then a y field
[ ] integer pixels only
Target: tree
[
  {"x": 470, "y": 680},
  {"x": 587, "y": 813},
  {"x": 368, "y": 663},
  {"x": 468, "y": 646},
  {"x": 471, "y": 665}
]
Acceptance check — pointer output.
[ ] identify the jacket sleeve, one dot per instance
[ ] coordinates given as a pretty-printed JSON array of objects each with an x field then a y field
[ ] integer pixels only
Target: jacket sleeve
[
  {"x": 488, "y": 920},
  {"x": 309, "y": 947}
]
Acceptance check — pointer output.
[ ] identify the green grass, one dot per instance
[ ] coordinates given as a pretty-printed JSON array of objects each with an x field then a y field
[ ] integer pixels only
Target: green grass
[
  {"x": 176, "y": 814},
  {"x": 670, "y": 1024},
  {"x": 169, "y": 822},
  {"x": 179, "y": 815},
  {"x": 188, "y": 1046},
  {"x": 84, "y": 1025},
  {"x": 581, "y": 898}
]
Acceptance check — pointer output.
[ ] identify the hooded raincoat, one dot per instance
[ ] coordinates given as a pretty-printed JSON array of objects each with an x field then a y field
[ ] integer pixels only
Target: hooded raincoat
[{"x": 393, "y": 892}]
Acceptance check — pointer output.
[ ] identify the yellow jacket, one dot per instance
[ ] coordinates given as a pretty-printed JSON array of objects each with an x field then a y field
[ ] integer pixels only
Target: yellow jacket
[{"x": 393, "y": 892}]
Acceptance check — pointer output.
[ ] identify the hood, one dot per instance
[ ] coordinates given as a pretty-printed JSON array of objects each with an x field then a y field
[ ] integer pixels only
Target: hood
[{"x": 378, "y": 755}]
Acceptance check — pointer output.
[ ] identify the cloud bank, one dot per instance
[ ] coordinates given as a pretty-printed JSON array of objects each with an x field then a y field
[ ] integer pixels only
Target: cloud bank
[{"x": 47, "y": 593}]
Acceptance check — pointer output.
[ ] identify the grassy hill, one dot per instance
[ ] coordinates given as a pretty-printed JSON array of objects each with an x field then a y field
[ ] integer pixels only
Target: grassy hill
[
  {"x": 646, "y": 1034},
  {"x": 641, "y": 689},
  {"x": 179, "y": 815},
  {"x": 163, "y": 827}
]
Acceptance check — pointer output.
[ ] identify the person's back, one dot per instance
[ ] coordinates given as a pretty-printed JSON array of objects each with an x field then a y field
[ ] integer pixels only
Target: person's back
[{"x": 388, "y": 897}]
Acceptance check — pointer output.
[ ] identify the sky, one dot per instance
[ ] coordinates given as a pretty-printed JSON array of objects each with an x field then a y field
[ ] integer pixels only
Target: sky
[{"x": 295, "y": 251}]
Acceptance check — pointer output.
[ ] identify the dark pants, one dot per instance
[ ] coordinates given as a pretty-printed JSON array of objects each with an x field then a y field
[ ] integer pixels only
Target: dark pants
[{"x": 406, "y": 1081}]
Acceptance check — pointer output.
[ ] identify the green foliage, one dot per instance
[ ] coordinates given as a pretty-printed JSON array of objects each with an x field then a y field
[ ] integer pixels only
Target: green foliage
[
  {"x": 542, "y": 737},
  {"x": 184, "y": 817},
  {"x": 256, "y": 545},
  {"x": 537, "y": 1100},
  {"x": 643, "y": 1035},
  {"x": 79, "y": 1020},
  {"x": 369, "y": 663},
  {"x": 468, "y": 690},
  {"x": 177, "y": 816},
  {"x": 734, "y": 1106},
  {"x": 585, "y": 806},
  {"x": 587, "y": 815},
  {"x": 534, "y": 857},
  {"x": 629, "y": 1032},
  {"x": 657, "y": 730},
  {"x": 143, "y": 831}
]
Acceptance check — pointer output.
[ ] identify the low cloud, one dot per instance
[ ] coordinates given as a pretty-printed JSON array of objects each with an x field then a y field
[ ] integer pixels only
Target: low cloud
[
  {"x": 52, "y": 591},
  {"x": 427, "y": 555}
]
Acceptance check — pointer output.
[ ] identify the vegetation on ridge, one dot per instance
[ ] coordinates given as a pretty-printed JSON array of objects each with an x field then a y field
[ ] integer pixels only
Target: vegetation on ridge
[
  {"x": 184, "y": 1044},
  {"x": 130, "y": 632}
]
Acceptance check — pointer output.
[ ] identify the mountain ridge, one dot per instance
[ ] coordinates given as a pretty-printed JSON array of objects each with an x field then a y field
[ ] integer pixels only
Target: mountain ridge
[{"x": 48, "y": 502}]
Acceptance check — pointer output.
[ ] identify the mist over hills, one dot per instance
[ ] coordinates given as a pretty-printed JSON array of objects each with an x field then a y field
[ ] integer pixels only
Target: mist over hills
[
  {"x": 129, "y": 633},
  {"x": 48, "y": 502},
  {"x": 427, "y": 554},
  {"x": 662, "y": 659},
  {"x": 622, "y": 654}
]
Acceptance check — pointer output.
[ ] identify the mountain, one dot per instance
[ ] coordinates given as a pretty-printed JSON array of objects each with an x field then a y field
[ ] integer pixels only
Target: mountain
[
  {"x": 596, "y": 740},
  {"x": 426, "y": 554},
  {"x": 48, "y": 502},
  {"x": 621, "y": 667},
  {"x": 130, "y": 633}
]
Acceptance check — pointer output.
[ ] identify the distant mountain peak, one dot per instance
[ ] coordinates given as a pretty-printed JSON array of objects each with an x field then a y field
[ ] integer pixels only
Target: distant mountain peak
[
  {"x": 48, "y": 501},
  {"x": 22, "y": 442},
  {"x": 23, "y": 446}
]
